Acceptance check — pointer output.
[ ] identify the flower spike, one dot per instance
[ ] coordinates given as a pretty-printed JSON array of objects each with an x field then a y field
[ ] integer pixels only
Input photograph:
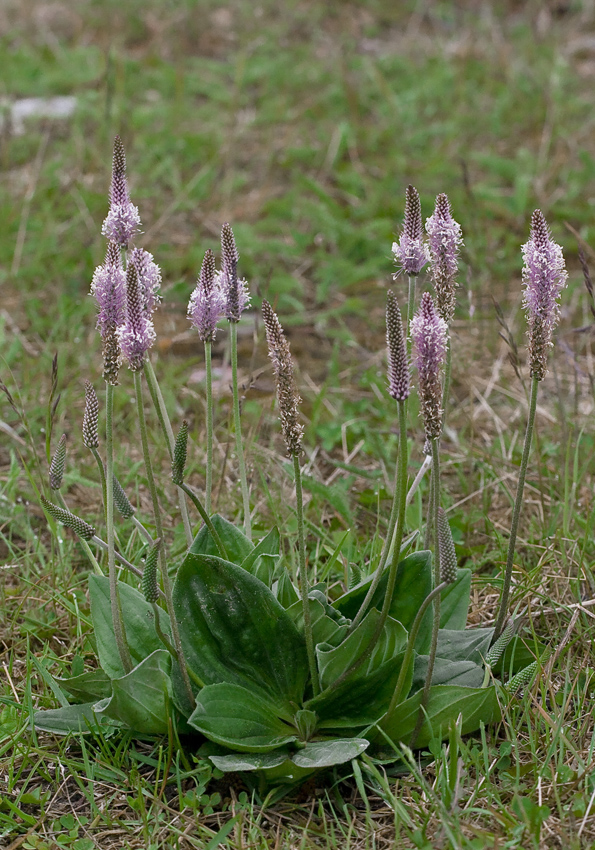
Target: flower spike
[
  {"x": 123, "y": 219},
  {"x": 398, "y": 366},
  {"x": 235, "y": 291},
  {"x": 57, "y": 464},
  {"x": 91, "y": 417},
  {"x": 287, "y": 394},
  {"x": 206, "y": 305},
  {"x": 445, "y": 238},
  {"x": 410, "y": 252},
  {"x": 428, "y": 333},
  {"x": 544, "y": 277},
  {"x": 137, "y": 334}
]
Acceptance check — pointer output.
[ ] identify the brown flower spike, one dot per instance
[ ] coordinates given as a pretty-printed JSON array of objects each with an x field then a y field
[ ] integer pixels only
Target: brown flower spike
[{"x": 287, "y": 394}]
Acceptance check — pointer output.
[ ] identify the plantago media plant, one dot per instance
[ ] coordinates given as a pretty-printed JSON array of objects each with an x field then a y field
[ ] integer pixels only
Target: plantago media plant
[{"x": 256, "y": 667}]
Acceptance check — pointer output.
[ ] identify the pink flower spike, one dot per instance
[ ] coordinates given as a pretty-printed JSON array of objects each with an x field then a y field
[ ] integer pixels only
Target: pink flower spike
[
  {"x": 109, "y": 290},
  {"x": 136, "y": 335},
  {"x": 123, "y": 219},
  {"x": 410, "y": 252},
  {"x": 445, "y": 239},
  {"x": 429, "y": 334},
  {"x": 206, "y": 305}
]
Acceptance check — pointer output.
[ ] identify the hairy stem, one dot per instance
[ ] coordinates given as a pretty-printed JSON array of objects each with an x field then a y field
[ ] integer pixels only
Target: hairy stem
[
  {"x": 116, "y": 608},
  {"x": 138, "y": 389},
  {"x": 303, "y": 578},
  {"x": 209, "y": 378},
  {"x": 207, "y": 520},
  {"x": 503, "y": 607},
  {"x": 233, "y": 334}
]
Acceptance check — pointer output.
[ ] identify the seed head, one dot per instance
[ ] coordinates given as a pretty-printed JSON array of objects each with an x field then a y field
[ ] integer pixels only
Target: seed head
[
  {"x": 149, "y": 581},
  {"x": 287, "y": 394},
  {"x": 428, "y": 334},
  {"x": 122, "y": 220},
  {"x": 91, "y": 417},
  {"x": 206, "y": 305},
  {"x": 398, "y": 366},
  {"x": 410, "y": 252},
  {"x": 137, "y": 334},
  {"x": 57, "y": 464},
  {"x": 544, "y": 277},
  {"x": 445, "y": 239},
  {"x": 235, "y": 292}
]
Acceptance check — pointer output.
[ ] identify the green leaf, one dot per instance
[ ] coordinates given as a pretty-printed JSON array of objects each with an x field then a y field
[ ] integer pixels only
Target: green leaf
[
  {"x": 236, "y": 543},
  {"x": 284, "y": 589},
  {"x": 78, "y": 719},
  {"x": 447, "y": 672},
  {"x": 464, "y": 644},
  {"x": 234, "y": 630},
  {"x": 240, "y": 719},
  {"x": 141, "y": 700},
  {"x": 324, "y": 628},
  {"x": 93, "y": 685},
  {"x": 412, "y": 585},
  {"x": 445, "y": 703},
  {"x": 334, "y": 661},
  {"x": 454, "y": 605},
  {"x": 249, "y": 761},
  {"x": 327, "y": 753},
  {"x": 138, "y": 622},
  {"x": 263, "y": 559}
]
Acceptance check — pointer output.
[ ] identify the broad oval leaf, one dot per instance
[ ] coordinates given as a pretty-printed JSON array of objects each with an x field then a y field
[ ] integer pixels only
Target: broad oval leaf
[
  {"x": 445, "y": 703},
  {"x": 447, "y": 672},
  {"x": 72, "y": 719},
  {"x": 141, "y": 700},
  {"x": 234, "y": 630},
  {"x": 236, "y": 543},
  {"x": 93, "y": 685},
  {"x": 138, "y": 622},
  {"x": 250, "y": 761},
  {"x": 412, "y": 585},
  {"x": 318, "y": 754},
  {"x": 239, "y": 719},
  {"x": 263, "y": 559},
  {"x": 454, "y": 601}
]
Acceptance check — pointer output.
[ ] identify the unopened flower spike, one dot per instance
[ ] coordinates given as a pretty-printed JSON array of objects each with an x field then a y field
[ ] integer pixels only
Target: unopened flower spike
[
  {"x": 121, "y": 500},
  {"x": 149, "y": 278},
  {"x": 429, "y": 333},
  {"x": 444, "y": 241},
  {"x": 287, "y": 394},
  {"x": 150, "y": 586},
  {"x": 178, "y": 463},
  {"x": 410, "y": 252},
  {"x": 448, "y": 558},
  {"x": 137, "y": 334},
  {"x": 91, "y": 417},
  {"x": 123, "y": 219},
  {"x": 57, "y": 464},
  {"x": 496, "y": 651},
  {"x": 544, "y": 277},
  {"x": 206, "y": 305},
  {"x": 78, "y": 525},
  {"x": 398, "y": 365},
  {"x": 234, "y": 291}
]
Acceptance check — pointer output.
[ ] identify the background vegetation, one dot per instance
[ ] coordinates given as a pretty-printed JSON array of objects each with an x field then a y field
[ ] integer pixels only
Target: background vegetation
[{"x": 301, "y": 123}]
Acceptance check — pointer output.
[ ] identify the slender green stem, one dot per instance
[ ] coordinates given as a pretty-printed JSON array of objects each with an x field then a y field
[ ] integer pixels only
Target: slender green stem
[
  {"x": 436, "y": 622},
  {"x": 207, "y": 520},
  {"x": 122, "y": 560},
  {"x": 503, "y": 607},
  {"x": 165, "y": 641},
  {"x": 87, "y": 549},
  {"x": 398, "y": 692},
  {"x": 116, "y": 608},
  {"x": 161, "y": 409},
  {"x": 397, "y": 517},
  {"x": 169, "y": 603},
  {"x": 233, "y": 334},
  {"x": 392, "y": 575},
  {"x": 303, "y": 577},
  {"x": 410, "y": 308},
  {"x": 101, "y": 469},
  {"x": 209, "y": 378}
]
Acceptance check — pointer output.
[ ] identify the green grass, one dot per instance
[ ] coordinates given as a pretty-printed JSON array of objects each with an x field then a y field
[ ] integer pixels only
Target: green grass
[{"x": 301, "y": 125}]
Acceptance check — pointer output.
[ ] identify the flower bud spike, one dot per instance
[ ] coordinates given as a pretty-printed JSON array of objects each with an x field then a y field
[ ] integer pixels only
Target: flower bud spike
[
  {"x": 123, "y": 220},
  {"x": 234, "y": 291},
  {"x": 121, "y": 501},
  {"x": 410, "y": 252},
  {"x": 496, "y": 652},
  {"x": 178, "y": 463},
  {"x": 150, "y": 587},
  {"x": 91, "y": 417},
  {"x": 287, "y": 394},
  {"x": 57, "y": 464},
  {"x": 544, "y": 277},
  {"x": 448, "y": 558},
  {"x": 78, "y": 525},
  {"x": 398, "y": 366}
]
